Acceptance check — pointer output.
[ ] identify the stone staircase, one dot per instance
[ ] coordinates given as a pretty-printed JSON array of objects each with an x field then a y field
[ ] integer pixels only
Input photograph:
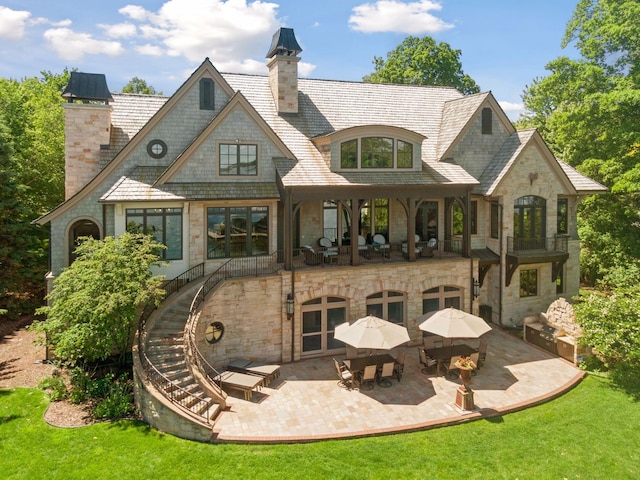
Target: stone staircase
[{"x": 165, "y": 349}]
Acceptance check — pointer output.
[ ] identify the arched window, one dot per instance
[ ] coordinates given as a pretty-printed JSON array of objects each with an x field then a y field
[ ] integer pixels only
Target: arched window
[
  {"x": 388, "y": 305},
  {"x": 529, "y": 222},
  {"x": 81, "y": 228},
  {"x": 442, "y": 297},
  {"x": 320, "y": 317}
]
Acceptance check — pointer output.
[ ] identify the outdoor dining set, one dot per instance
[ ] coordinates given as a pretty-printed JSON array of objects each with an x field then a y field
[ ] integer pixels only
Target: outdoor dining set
[{"x": 450, "y": 329}]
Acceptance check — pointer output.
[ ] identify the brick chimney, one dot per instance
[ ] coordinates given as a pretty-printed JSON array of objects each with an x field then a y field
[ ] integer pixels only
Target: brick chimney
[
  {"x": 87, "y": 126},
  {"x": 283, "y": 70}
]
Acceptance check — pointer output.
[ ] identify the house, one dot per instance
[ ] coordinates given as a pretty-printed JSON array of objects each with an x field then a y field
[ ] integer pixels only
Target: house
[{"x": 394, "y": 200}]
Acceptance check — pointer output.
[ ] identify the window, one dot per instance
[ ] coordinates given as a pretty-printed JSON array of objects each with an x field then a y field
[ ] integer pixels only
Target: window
[
  {"x": 374, "y": 218},
  {"x": 529, "y": 222},
  {"x": 439, "y": 298},
  {"x": 330, "y": 220},
  {"x": 427, "y": 221},
  {"x": 165, "y": 224},
  {"x": 405, "y": 154},
  {"x": 528, "y": 283},
  {"x": 320, "y": 317},
  {"x": 238, "y": 159},
  {"x": 81, "y": 228},
  {"x": 457, "y": 220},
  {"x": 388, "y": 305},
  {"x": 560, "y": 280},
  {"x": 349, "y": 154},
  {"x": 487, "y": 121},
  {"x": 563, "y": 216},
  {"x": 474, "y": 217},
  {"x": 237, "y": 231},
  {"x": 495, "y": 220},
  {"x": 377, "y": 152},
  {"x": 207, "y": 96},
  {"x": 156, "y": 148}
]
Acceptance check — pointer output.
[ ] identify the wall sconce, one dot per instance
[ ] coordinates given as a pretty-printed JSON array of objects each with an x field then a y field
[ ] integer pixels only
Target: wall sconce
[
  {"x": 290, "y": 306},
  {"x": 532, "y": 176},
  {"x": 476, "y": 288}
]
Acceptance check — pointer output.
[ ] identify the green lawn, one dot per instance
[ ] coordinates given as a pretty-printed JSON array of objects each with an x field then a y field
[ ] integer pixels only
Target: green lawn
[{"x": 589, "y": 433}]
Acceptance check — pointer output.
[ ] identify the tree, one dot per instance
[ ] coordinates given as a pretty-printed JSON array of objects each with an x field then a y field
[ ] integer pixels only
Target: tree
[
  {"x": 422, "y": 61},
  {"x": 94, "y": 304},
  {"x": 587, "y": 110},
  {"x": 137, "y": 85}
]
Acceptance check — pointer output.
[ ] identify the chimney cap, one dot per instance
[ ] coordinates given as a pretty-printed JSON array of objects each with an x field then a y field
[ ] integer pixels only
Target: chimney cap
[
  {"x": 87, "y": 86},
  {"x": 284, "y": 43}
]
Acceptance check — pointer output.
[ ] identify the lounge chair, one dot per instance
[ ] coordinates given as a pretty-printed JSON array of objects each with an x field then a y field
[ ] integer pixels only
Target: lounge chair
[
  {"x": 344, "y": 375},
  {"x": 329, "y": 252}
]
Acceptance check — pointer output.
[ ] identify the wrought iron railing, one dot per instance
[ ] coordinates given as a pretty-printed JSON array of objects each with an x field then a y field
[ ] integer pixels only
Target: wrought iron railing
[{"x": 559, "y": 243}]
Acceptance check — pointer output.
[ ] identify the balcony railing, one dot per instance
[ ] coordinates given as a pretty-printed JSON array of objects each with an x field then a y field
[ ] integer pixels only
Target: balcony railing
[{"x": 559, "y": 243}]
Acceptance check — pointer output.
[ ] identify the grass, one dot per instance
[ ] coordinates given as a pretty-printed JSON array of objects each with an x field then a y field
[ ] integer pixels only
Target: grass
[{"x": 589, "y": 433}]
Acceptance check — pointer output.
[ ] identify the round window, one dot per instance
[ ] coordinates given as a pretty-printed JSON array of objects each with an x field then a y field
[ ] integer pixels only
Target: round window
[
  {"x": 214, "y": 332},
  {"x": 157, "y": 148}
]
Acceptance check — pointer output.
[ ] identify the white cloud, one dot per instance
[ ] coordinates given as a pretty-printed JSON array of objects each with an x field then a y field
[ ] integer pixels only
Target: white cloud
[
  {"x": 72, "y": 46},
  {"x": 396, "y": 16},
  {"x": 119, "y": 30},
  {"x": 221, "y": 30},
  {"x": 12, "y": 23},
  {"x": 511, "y": 106},
  {"x": 151, "y": 50},
  {"x": 305, "y": 68}
]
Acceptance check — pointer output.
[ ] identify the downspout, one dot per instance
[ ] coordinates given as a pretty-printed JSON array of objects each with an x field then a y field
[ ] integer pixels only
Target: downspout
[{"x": 292, "y": 320}]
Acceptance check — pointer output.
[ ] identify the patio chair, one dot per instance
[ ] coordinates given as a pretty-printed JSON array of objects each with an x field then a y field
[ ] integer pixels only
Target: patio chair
[
  {"x": 345, "y": 376},
  {"x": 368, "y": 377},
  {"x": 429, "y": 342},
  {"x": 380, "y": 243},
  {"x": 352, "y": 352},
  {"x": 311, "y": 257},
  {"x": 426, "y": 361},
  {"x": 385, "y": 373},
  {"x": 329, "y": 252},
  {"x": 482, "y": 353},
  {"x": 474, "y": 358},
  {"x": 363, "y": 248},
  {"x": 447, "y": 342},
  {"x": 451, "y": 369},
  {"x": 398, "y": 367},
  {"x": 418, "y": 249}
]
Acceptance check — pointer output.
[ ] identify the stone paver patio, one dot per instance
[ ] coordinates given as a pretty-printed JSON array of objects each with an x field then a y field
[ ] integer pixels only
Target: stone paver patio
[{"x": 306, "y": 403}]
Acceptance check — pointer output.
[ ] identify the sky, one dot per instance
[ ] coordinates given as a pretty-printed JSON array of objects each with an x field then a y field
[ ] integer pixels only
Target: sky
[{"x": 504, "y": 44}]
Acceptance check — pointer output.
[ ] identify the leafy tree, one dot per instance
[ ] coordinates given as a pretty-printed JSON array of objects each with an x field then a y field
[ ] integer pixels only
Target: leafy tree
[
  {"x": 587, "y": 110},
  {"x": 138, "y": 85},
  {"x": 22, "y": 249},
  {"x": 422, "y": 61},
  {"x": 94, "y": 304}
]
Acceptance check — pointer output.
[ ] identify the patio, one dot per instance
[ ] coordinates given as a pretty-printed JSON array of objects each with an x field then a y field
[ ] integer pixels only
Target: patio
[{"x": 306, "y": 403}]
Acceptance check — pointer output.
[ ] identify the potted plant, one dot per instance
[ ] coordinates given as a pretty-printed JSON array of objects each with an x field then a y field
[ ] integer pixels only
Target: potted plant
[{"x": 465, "y": 366}]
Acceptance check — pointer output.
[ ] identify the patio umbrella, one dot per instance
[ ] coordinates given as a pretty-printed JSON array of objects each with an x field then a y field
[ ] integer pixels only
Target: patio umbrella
[
  {"x": 453, "y": 323},
  {"x": 372, "y": 332}
]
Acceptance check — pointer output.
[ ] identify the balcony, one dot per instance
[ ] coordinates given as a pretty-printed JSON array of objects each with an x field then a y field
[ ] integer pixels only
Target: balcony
[{"x": 526, "y": 251}]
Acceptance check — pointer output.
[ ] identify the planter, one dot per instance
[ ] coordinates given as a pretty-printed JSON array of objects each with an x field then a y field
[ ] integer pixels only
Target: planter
[{"x": 465, "y": 377}]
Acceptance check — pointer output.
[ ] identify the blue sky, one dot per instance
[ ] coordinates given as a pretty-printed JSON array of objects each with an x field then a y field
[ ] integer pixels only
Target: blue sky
[{"x": 505, "y": 44}]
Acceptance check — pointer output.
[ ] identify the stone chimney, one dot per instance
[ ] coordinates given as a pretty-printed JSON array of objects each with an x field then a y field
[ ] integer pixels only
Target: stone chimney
[
  {"x": 87, "y": 126},
  {"x": 283, "y": 70}
]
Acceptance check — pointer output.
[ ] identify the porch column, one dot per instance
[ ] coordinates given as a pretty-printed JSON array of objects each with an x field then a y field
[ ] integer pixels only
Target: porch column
[
  {"x": 412, "y": 208},
  {"x": 466, "y": 236},
  {"x": 354, "y": 213},
  {"x": 288, "y": 230}
]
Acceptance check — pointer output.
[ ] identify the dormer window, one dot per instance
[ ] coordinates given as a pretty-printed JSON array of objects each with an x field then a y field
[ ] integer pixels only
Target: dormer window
[{"x": 376, "y": 153}]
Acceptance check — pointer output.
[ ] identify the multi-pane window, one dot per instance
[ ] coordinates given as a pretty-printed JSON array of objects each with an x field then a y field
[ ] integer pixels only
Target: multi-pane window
[
  {"x": 405, "y": 154},
  {"x": 349, "y": 154},
  {"x": 388, "y": 305},
  {"x": 529, "y": 222},
  {"x": 458, "y": 218},
  {"x": 374, "y": 217},
  {"x": 238, "y": 159},
  {"x": 563, "y": 216},
  {"x": 528, "y": 282},
  {"x": 376, "y": 153},
  {"x": 165, "y": 224},
  {"x": 207, "y": 94},
  {"x": 320, "y": 317},
  {"x": 439, "y": 298},
  {"x": 237, "y": 231}
]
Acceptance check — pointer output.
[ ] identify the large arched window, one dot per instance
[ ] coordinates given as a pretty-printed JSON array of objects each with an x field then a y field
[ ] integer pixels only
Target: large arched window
[
  {"x": 81, "y": 228},
  {"x": 320, "y": 317},
  {"x": 388, "y": 305},
  {"x": 529, "y": 222}
]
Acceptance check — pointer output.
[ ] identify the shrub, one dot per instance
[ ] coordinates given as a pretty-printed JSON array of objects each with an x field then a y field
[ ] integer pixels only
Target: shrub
[
  {"x": 54, "y": 386},
  {"x": 118, "y": 401}
]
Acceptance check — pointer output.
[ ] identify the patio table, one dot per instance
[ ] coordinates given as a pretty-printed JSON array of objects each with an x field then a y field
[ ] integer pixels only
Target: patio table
[
  {"x": 240, "y": 381},
  {"x": 268, "y": 372},
  {"x": 356, "y": 365},
  {"x": 444, "y": 354}
]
